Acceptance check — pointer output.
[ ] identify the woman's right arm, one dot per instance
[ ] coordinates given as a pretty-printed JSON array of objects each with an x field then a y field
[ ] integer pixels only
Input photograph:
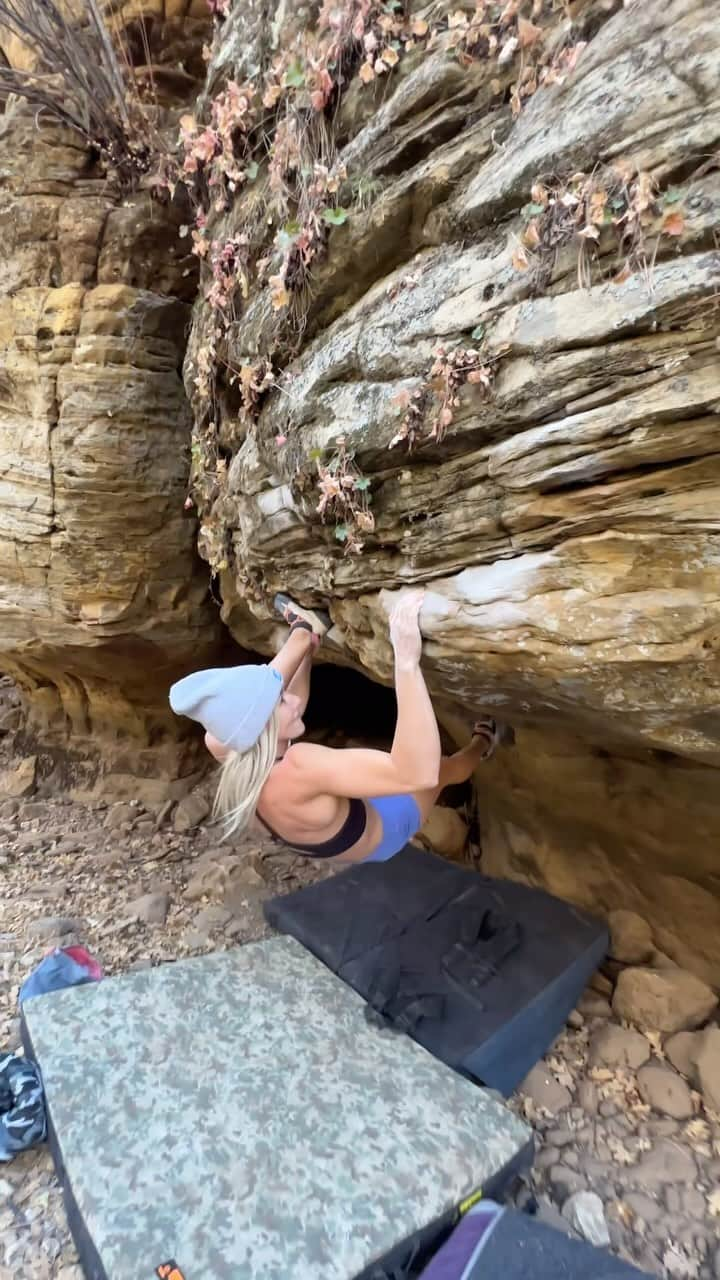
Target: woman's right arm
[{"x": 413, "y": 763}]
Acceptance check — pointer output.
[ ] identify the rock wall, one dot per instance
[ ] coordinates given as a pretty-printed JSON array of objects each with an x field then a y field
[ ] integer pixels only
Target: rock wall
[
  {"x": 102, "y": 598},
  {"x": 564, "y": 519}
]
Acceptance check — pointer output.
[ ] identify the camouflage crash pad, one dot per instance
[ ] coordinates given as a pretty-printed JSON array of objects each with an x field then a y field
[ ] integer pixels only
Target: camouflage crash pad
[{"x": 239, "y": 1116}]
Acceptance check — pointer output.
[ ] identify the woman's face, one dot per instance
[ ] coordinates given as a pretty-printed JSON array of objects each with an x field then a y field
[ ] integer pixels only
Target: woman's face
[{"x": 291, "y": 724}]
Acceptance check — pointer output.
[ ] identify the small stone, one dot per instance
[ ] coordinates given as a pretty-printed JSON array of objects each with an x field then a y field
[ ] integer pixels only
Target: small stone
[
  {"x": 191, "y": 811},
  {"x": 119, "y": 815},
  {"x": 575, "y": 1020},
  {"x": 601, "y": 984},
  {"x": 693, "y": 1203},
  {"x": 592, "y": 1005},
  {"x": 6, "y": 1189},
  {"x": 608, "y": 1108},
  {"x": 663, "y": 1000},
  {"x": 631, "y": 940},
  {"x": 588, "y": 1097},
  {"x": 561, "y": 1137},
  {"x": 139, "y": 966},
  {"x": 151, "y": 908},
  {"x": 667, "y": 1161},
  {"x": 584, "y": 1211},
  {"x": 552, "y": 1217},
  {"x": 665, "y": 1091},
  {"x": 212, "y": 918},
  {"x": 681, "y": 1050},
  {"x": 545, "y": 1091},
  {"x": 195, "y": 940},
  {"x": 55, "y": 927},
  {"x": 661, "y": 1128},
  {"x": 707, "y": 1062},
  {"x": 565, "y": 1181},
  {"x": 613, "y": 1046},
  {"x": 642, "y": 1206}
]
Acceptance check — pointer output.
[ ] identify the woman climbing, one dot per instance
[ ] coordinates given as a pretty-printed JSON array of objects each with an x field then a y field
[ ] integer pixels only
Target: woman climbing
[{"x": 351, "y": 804}]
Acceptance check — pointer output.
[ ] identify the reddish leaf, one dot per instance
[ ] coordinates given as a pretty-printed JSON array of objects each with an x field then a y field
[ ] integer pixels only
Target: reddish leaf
[
  {"x": 528, "y": 33},
  {"x": 673, "y": 224}
]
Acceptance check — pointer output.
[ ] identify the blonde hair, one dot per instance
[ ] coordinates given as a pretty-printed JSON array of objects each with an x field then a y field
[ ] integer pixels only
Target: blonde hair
[{"x": 243, "y": 775}]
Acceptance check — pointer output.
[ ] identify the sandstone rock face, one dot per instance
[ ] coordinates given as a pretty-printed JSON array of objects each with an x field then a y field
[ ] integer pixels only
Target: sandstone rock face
[
  {"x": 102, "y": 599},
  {"x": 566, "y": 524}
]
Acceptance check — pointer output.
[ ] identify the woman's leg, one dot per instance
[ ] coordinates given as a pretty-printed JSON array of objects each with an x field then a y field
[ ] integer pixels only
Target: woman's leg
[{"x": 460, "y": 766}]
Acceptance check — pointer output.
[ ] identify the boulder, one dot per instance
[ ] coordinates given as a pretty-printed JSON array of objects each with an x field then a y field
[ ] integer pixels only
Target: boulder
[
  {"x": 104, "y": 602},
  {"x": 445, "y": 832},
  {"x": 559, "y": 509},
  {"x": 20, "y": 780},
  {"x": 665, "y": 1091},
  {"x": 631, "y": 940},
  {"x": 663, "y": 1000}
]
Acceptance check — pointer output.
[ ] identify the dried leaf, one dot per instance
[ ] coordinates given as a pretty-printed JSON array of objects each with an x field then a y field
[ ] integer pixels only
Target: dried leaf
[
  {"x": 528, "y": 33},
  {"x": 390, "y": 56},
  {"x": 589, "y": 232},
  {"x": 623, "y": 274},
  {"x": 419, "y": 28},
  {"x": 366, "y": 72},
  {"x": 279, "y": 295},
  {"x": 673, "y": 224},
  {"x": 445, "y": 416},
  {"x": 531, "y": 235},
  {"x": 520, "y": 259}
]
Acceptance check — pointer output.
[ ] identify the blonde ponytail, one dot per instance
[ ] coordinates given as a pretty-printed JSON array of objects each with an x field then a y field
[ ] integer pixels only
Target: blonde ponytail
[{"x": 243, "y": 775}]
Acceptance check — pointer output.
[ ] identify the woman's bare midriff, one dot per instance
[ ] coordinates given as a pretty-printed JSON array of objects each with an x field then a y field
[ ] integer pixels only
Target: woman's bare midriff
[{"x": 292, "y": 823}]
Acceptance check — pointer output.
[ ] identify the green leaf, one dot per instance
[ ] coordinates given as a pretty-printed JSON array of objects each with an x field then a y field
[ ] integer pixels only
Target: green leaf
[
  {"x": 618, "y": 204},
  {"x": 315, "y": 454},
  {"x": 252, "y": 170},
  {"x": 478, "y": 332},
  {"x": 672, "y": 195},
  {"x": 341, "y": 532},
  {"x": 295, "y": 75},
  {"x": 335, "y": 217},
  {"x": 533, "y": 210},
  {"x": 292, "y": 228},
  {"x": 362, "y": 483}
]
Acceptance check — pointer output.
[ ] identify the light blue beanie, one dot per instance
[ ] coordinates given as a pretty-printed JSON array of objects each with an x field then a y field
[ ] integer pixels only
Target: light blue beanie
[{"x": 232, "y": 703}]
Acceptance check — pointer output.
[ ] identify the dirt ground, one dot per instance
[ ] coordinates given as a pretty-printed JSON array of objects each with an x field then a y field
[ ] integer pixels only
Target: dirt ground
[{"x": 144, "y": 887}]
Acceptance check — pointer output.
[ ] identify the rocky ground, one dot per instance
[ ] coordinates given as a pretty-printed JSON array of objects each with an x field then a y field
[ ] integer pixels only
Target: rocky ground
[{"x": 628, "y": 1143}]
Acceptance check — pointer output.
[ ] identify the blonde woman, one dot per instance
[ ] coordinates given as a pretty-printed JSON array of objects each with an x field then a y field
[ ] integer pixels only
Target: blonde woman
[{"x": 352, "y": 804}]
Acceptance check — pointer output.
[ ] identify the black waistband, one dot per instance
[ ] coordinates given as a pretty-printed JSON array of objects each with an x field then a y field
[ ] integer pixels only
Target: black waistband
[{"x": 350, "y": 832}]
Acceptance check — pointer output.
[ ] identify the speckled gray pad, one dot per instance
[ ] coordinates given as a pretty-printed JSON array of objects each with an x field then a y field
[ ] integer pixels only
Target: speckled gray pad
[{"x": 238, "y": 1114}]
